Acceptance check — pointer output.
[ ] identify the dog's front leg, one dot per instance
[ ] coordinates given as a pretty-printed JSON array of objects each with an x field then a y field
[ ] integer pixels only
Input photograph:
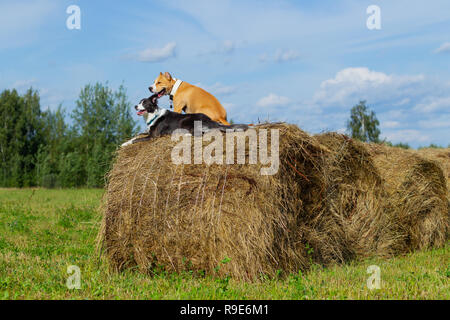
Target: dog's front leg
[
  {"x": 131, "y": 141},
  {"x": 178, "y": 107},
  {"x": 137, "y": 139}
]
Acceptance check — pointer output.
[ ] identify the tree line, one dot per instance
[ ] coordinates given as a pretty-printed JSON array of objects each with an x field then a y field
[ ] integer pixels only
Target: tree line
[
  {"x": 363, "y": 125},
  {"x": 42, "y": 148},
  {"x": 53, "y": 149}
]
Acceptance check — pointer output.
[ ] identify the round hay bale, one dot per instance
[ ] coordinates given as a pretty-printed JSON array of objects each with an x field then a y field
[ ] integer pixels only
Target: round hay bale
[
  {"x": 332, "y": 199},
  {"x": 442, "y": 156},
  {"x": 355, "y": 197},
  {"x": 417, "y": 196},
  {"x": 222, "y": 219}
]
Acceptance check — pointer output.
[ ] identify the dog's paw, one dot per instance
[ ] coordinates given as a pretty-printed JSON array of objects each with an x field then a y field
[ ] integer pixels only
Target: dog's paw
[{"x": 126, "y": 143}]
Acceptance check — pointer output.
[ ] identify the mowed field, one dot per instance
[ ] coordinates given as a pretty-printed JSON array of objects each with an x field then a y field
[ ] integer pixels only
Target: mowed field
[{"x": 42, "y": 232}]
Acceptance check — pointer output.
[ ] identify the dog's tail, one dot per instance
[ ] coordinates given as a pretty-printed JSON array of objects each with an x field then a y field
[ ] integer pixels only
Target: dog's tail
[
  {"x": 234, "y": 127},
  {"x": 224, "y": 128}
]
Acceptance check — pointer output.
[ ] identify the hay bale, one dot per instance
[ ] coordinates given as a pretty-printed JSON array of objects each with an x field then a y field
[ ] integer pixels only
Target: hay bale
[
  {"x": 417, "y": 196},
  {"x": 442, "y": 156},
  {"x": 195, "y": 216},
  {"x": 332, "y": 200},
  {"x": 355, "y": 197}
]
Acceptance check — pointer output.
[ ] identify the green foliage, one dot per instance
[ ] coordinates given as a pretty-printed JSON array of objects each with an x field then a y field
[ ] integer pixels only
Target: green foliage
[
  {"x": 40, "y": 148},
  {"x": 44, "y": 232},
  {"x": 432, "y": 146},
  {"x": 20, "y": 137},
  {"x": 402, "y": 145},
  {"x": 101, "y": 121},
  {"x": 363, "y": 123},
  {"x": 71, "y": 216},
  {"x": 398, "y": 145}
]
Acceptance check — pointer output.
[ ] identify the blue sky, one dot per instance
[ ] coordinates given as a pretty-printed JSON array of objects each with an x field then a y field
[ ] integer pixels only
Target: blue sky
[{"x": 305, "y": 62}]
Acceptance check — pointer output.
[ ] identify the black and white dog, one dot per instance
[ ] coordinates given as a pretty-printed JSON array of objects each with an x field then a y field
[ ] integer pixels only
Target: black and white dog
[{"x": 163, "y": 122}]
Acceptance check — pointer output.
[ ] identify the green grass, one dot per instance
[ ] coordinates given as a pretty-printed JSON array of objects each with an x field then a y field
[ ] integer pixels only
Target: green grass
[{"x": 42, "y": 232}]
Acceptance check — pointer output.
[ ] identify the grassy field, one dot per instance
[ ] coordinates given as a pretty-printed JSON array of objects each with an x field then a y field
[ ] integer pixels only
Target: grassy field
[{"x": 42, "y": 232}]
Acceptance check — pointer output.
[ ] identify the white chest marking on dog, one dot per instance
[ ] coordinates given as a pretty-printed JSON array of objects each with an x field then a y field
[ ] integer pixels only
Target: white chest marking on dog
[{"x": 175, "y": 87}]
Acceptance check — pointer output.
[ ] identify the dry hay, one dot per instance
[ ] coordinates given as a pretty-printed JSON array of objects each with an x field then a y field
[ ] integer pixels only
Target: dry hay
[
  {"x": 417, "y": 194},
  {"x": 442, "y": 156},
  {"x": 326, "y": 204},
  {"x": 195, "y": 216},
  {"x": 355, "y": 196}
]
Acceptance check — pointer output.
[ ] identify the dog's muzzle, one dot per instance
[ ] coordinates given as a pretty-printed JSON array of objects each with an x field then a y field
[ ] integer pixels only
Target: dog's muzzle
[{"x": 139, "y": 109}]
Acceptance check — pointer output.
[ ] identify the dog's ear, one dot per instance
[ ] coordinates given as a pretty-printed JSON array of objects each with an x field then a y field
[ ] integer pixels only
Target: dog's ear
[
  {"x": 160, "y": 73},
  {"x": 168, "y": 76},
  {"x": 154, "y": 99}
]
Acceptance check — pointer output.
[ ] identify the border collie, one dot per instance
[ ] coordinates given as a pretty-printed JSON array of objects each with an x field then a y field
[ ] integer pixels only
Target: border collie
[{"x": 164, "y": 122}]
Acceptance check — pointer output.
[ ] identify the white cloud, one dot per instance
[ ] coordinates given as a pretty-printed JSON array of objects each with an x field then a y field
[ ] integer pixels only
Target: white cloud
[
  {"x": 408, "y": 135},
  {"x": 157, "y": 54},
  {"x": 52, "y": 98},
  {"x": 49, "y": 98},
  {"x": 286, "y": 55},
  {"x": 23, "y": 84},
  {"x": 389, "y": 124},
  {"x": 444, "y": 48},
  {"x": 353, "y": 84},
  {"x": 398, "y": 114},
  {"x": 272, "y": 100},
  {"x": 411, "y": 108},
  {"x": 402, "y": 102},
  {"x": 357, "y": 76},
  {"x": 228, "y": 46},
  {"x": 443, "y": 121},
  {"x": 432, "y": 104},
  {"x": 280, "y": 56}
]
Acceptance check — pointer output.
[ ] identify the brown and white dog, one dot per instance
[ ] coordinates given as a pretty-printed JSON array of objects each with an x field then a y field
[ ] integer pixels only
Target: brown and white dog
[{"x": 189, "y": 98}]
